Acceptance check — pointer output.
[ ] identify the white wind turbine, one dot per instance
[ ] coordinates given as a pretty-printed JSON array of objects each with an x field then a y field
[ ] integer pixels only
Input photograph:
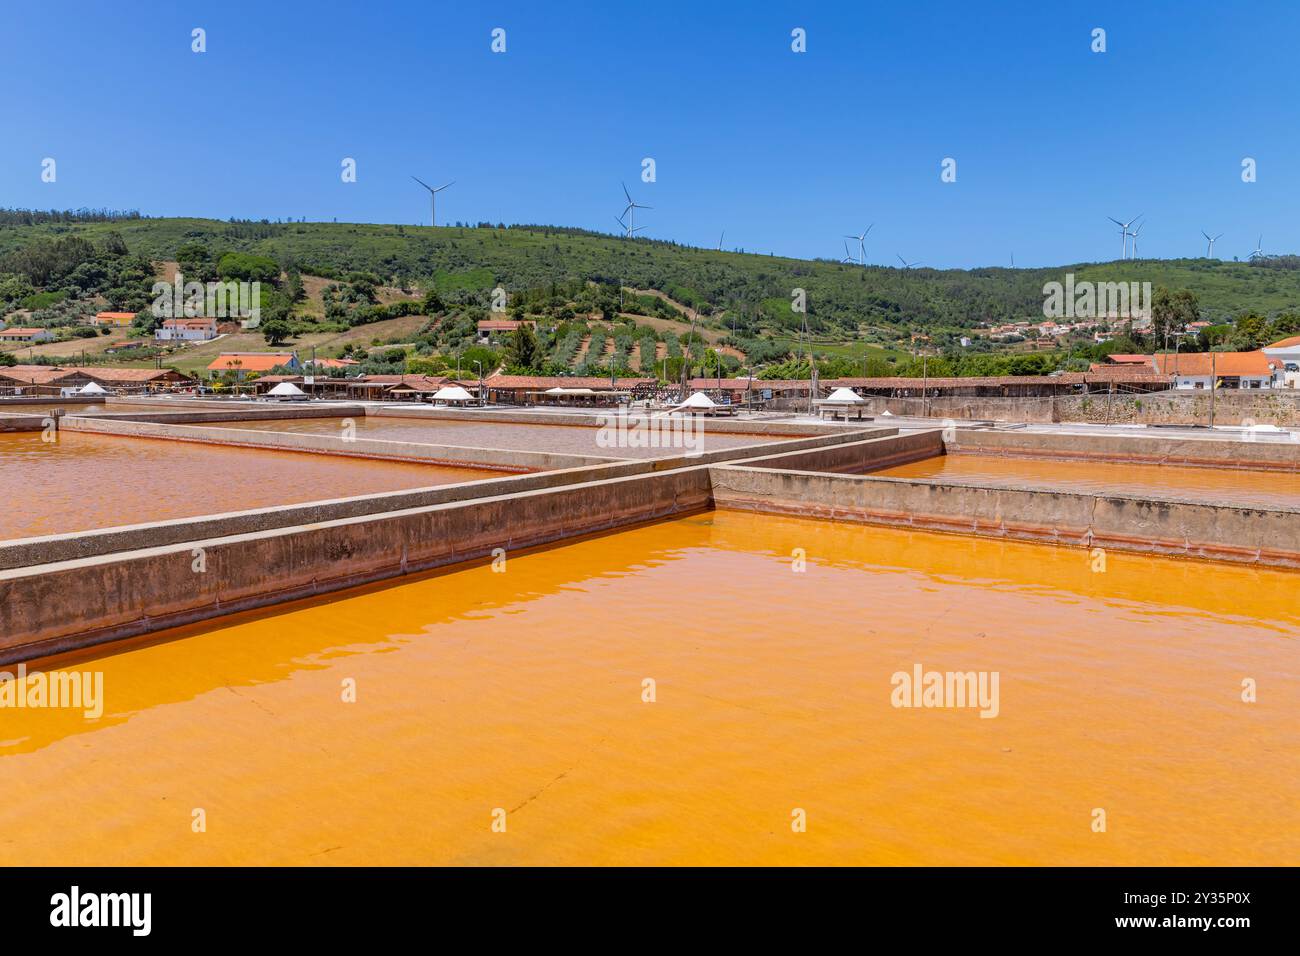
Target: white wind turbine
[
  {"x": 1134, "y": 234},
  {"x": 1259, "y": 249},
  {"x": 848, "y": 256},
  {"x": 632, "y": 207},
  {"x": 724, "y": 232},
  {"x": 433, "y": 198},
  {"x": 1209, "y": 252},
  {"x": 1123, "y": 234},
  {"x": 906, "y": 264},
  {"x": 862, "y": 244}
]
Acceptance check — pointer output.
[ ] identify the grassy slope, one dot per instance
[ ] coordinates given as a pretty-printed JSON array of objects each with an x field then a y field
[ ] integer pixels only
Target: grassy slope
[{"x": 524, "y": 257}]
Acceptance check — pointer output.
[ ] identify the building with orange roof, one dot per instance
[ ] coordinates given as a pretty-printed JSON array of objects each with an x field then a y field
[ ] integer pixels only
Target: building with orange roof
[
  {"x": 118, "y": 319},
  {"x": 19, "y": 336},
  {"x": 242, "y": 363},
  {"x": 1286, "y": 352},
  {"x": 186, "y": 330},
  {"x": 1202, "y": 370}
]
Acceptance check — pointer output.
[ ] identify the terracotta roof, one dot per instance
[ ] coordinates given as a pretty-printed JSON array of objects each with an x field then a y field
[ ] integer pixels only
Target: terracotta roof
[
  {"x": 1288, "y": 343},
  {"x": 1129, "y": 359},
  {"x": 741, "y": 384},
  {"x": 46, "y": 374},
  {"x": 1224, "y": 363},
  {"x": 21, "y": 331},
  {"x": 190, "y": 323},
  {"x": 250, "y": 361},
  {"x": 115, "y": 315},
  {"x": 1068, "y": 378},
  {"x": 559, "y": 381},
  {"x": 500, "y": 325},
  {"x": 416, "y": 382}
]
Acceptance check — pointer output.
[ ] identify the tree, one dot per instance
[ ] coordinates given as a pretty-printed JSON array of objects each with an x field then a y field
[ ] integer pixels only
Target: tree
[
  {"x": 523, "y": 350},
  {"x": 276, "y": 331}
]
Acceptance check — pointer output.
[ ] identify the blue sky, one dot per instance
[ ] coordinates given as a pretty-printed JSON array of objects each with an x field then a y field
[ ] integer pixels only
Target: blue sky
[{"x": 784, "y": 151}]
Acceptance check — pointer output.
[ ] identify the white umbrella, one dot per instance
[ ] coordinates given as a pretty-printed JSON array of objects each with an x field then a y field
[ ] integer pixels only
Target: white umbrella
[
  {"x": 845, "y": 396},
  {"x": 452, "y": 393},
  {"x": 699, "y": 400}
]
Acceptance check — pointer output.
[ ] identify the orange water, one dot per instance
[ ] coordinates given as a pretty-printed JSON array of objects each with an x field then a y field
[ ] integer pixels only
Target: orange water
[
  {"x": 83, "y": 481},
  {"x": 522, "y": 691},
  {"x": 1221, "y": 485},
  {"x": 556, "y": 439}
]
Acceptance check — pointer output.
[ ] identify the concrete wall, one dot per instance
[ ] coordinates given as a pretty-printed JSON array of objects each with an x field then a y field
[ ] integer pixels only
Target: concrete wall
[
  {"x": 57, "y": 607},
  {"x": 1145, "y": 449},
  {"x": 22, "y": 423},
  {"x": 857, "y": 457},
  {"x": 595, "y": 418},
  {"x": 1232, "y": 407},
  {"x": 1165, "y": 526},
  {"x": 502, "y": 459},
  {"x": 176, "y": 415},
  {"x": 51, "y": 549}
]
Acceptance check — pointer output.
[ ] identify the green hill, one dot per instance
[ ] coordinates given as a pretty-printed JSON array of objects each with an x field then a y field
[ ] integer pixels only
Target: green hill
[{"x": 755, "y": 290}]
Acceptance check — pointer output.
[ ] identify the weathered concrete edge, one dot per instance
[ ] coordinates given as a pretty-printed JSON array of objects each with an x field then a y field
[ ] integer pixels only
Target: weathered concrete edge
[
  {"x": 1127, "y": 523},
  {"x": 503, "y": 459},
  {"x": 55, "y": 608},
  {"x": 51, "y": 549},
  {"x": 885, "y": 451},
  {"x": 1146, "y": 448}
]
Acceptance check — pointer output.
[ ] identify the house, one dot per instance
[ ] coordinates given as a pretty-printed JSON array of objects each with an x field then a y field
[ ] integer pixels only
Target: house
[
  {"x": 491, "y": 330},
  {"x": 186, "y": 330},
  {"x": 241, "y": 363},
  {"x": 117, "y": 319},
  {"x": 1286, "y": 353},
  {"x": 1201, "y": 370},
  {"x": 1136, "y": 360},
  {"x": 533, "y": 389},
  {"x": 25, "y": 336},
  {"x": 64, "y": 379}
]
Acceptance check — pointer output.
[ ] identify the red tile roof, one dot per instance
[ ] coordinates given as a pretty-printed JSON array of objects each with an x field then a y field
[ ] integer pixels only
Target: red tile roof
[
  {"x": 249, "y": 361},
  {"x": 1223, "y": 363}
]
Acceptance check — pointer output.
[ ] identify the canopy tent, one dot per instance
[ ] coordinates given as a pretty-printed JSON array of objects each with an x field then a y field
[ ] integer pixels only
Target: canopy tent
[
  {"x": 452, "y": 393},
  {"x": 844, "y": 396},
  {"x": 286, "y": 390},
  {"x": 698, "y": 402}
]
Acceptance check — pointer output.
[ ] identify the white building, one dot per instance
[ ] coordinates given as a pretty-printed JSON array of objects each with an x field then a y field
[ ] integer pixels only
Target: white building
[
  {"x": 186, "y": 330},
  {"x": 1286, "y": 355}
]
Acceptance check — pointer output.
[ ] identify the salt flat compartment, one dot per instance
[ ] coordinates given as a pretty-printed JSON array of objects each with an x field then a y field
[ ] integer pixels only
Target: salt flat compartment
[
  {"x": 557, "y": 439},
  {"x": 84, "y": 481},
  {"x": 522, "y": 690},
  {"x": 1217, "y": 485}
]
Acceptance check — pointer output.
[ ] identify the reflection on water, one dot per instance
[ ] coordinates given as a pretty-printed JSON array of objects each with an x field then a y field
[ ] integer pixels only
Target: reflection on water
[
  {"x": 83, "y": 481},
  {"x": 523, "y": 690},
  {"x": 556, "y": 439},
  {"x": 1218, "y": 485}
]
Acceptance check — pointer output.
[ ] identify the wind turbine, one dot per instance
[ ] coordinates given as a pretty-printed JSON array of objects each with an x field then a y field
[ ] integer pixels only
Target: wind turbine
[
  {"x": 1209, "y": 253},
  {"x": 724, "y": 232},
  {"x": 1134, "y": 234},
  {"x": 862, "y": 244},
  {"x": 1123, "y": 234},
  {"x": 906, "y": 264},
  {"x": 1259, "y": 249},
  {"x": 848, "y": 256},
  {"x": 433, "y": 198},
  {"x": 632, "y": 207}
]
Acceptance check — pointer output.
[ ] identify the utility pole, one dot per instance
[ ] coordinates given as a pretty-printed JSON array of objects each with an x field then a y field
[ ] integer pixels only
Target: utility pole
[
  {"x": 1214, "y": 381},
  {"x": 925, "y": 385}
]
